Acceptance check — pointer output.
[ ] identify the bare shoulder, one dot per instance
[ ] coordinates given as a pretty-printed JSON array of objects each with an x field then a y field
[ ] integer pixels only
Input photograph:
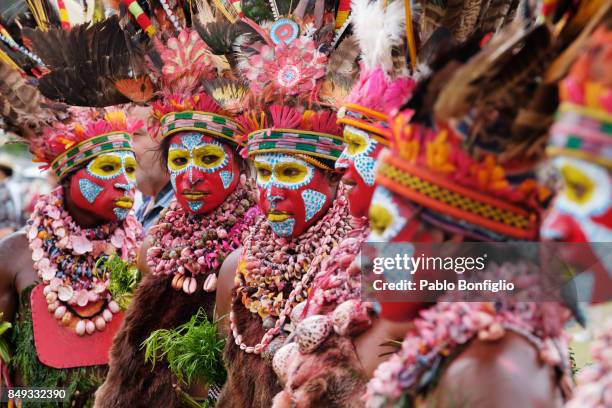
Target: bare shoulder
[
  {"x": 14, "y": 249},
  {"x": 225, "y": 283},
  {"x": 503, "y": 373}
]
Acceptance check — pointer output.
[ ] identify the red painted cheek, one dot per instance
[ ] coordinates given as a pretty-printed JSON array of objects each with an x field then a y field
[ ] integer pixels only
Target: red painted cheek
[
  {"x": 209, "y": 185},
  {"x": 359, "y": 194},
  {"x": 104, "y": 202}
]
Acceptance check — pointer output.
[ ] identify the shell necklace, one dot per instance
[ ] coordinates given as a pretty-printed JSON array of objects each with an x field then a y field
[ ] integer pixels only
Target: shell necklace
[
  {"x": 186, "y": 245},
  {"x": 65, "y": 256},
  {"x": 277, "y": 272}
]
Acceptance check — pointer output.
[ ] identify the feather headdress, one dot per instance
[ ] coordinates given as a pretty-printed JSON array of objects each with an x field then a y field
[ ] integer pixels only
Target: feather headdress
[
  {"x": 459, "y": 164},
  {"x": 80, "y": 67},
  {"x": 295, "y": 77}
]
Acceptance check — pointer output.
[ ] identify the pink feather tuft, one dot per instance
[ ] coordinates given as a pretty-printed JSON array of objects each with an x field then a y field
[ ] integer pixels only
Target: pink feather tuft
[
  {"x": 324, "y": 122},
  {"x": 285, "y": 117},
  {"x": 375, "y": 90}
]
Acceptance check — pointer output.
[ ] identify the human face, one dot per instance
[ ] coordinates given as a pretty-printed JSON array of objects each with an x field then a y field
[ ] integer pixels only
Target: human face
[
  {"x": 105, "y": 186},
  {"x": 203, "y": 171},
  {"x": 359, "y": 159},
  {"x": 293, "y": 193},
  {"x": 582, "y": 210}
]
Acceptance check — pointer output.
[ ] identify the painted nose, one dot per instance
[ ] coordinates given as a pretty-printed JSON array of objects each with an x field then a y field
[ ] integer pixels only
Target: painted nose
[
  {"x": 274, "y": 195},
  {"x": 123, "y": 183},
  {"x": 194, "y": 177}
]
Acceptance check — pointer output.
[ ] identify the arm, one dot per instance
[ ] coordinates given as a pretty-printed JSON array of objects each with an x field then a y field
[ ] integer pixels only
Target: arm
[
  {"x": 503, "y": 373},
  {"x": 10, "y": 248},
  {"x": 225, "y": 284},
  {"x": 141, "y": 262}
]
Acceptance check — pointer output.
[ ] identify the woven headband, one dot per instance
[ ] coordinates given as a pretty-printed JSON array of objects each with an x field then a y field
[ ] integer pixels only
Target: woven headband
[
  {"x": 583, "y": 133},
  {"x": 88, "y": 149},
  {"x": 205, "y": 122},
  {"x": 425, "y": 188},
  {"x": 294, "y": 141},
  {"x": 368, "y": 120}
]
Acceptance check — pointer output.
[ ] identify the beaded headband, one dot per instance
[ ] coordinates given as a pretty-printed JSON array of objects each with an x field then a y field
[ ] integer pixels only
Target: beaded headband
[
  {"x": 90, "y": 148},
  {"x": 369, "y": 120},
  {"x": 295, "y": 141},
  {"x": 439, "y": 194},
  {"x": 433, "y": 170},
  {"x": 583, "y": 133},
  {"x": 206, "y": 122}
]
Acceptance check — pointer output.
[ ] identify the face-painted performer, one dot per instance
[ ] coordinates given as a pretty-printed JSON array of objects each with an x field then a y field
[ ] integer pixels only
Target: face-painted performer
[
  {"x": 434, "y": 187},
  {"x": 579, "y": 147},
  {"x": 60, "y": 272},
  {"x": 214, "y": 205},
  {"x": 293, "y": 144},
  {"x": 353, "y": 333}
]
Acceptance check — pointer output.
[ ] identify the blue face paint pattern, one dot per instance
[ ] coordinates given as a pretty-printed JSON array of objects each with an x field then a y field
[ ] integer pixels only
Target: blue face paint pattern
[
  {"x": 311, "y": 198},
  {"x": 191, "y": 142},
  {"x": 90, "y": 190},
  {"x": 226, "y": 178},
  {"x": 195, "y": 205},
  {"x": 364, "y": 163},
  {"x": 283, "y": 228},
  {"x": 121, "y": 213},
  {"x": 313, "y": 202}
]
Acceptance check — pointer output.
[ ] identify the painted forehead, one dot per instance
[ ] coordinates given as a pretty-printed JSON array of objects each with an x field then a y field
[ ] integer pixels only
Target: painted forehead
[
  {"x": 273, "y": 159},
  {"x": 190, "y": 141}
]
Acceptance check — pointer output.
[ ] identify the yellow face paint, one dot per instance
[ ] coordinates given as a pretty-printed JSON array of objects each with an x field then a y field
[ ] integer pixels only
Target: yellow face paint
[
  {"x": 380, "y": 218},
  {"x": 110, "y": 165},
  {"x": 579, "y": 187},
  {"x": 355, "y": 142},
  {"x": 291, "y": 173}
]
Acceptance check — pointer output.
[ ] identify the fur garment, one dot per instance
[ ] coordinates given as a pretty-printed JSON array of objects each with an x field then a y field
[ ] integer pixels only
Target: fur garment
[
  {"x": 251, "y": 382},
  {"x": 131, "y": 382},
  {"x": 331, "y": 377}
]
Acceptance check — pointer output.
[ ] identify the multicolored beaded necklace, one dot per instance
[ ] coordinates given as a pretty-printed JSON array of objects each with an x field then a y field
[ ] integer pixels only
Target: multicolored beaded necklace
[
  {"x": 65, "y": 256},
  {"x": 186, "y": 245},
  {"x": 441, "y": 330},
  {"x": 282, "y": 270}
]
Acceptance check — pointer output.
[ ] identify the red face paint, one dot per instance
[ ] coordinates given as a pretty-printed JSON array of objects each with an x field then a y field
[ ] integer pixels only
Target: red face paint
[
  {"x": 203, "y": 171},
  {"x": 105, "y": 186},
  {"x": 293, "y": 193}
]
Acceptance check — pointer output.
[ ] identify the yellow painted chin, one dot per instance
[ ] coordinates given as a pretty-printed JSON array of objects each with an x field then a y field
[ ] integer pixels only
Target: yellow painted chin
[
  {"x": 579, "y": 186},
  {"x": 278, "y": 217},
  {"x": 380, "y": 218}
]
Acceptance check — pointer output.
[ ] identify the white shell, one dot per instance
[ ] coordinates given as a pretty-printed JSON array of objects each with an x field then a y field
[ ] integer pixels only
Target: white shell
[
  {"x": 282, "y": 359},
  {"x": 60, "y": 312},
  {"x": 100, "y": 323},
  {"x": 80, "y": 328},
  {"x": 65, "y": 293},
  {"x": 311, "y": 332},
  {"x": 90, "y": 327},
  {"x": 210, "y": 284},
  {"x": 296, "y": 313},
  {"x": 107, "y": 315},
  {"x": 113, "y": 306}
]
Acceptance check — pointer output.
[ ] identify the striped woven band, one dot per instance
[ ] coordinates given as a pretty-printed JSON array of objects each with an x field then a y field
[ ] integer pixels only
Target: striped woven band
[
  {"x": 373, "y": 122},
  {"x": 205, "y": 122},
  {"x": 86, "y": 150},
  {"x": 583, "y": 133},
  {"x": 295, "y": 141},
  {"x": 441, "y": 195}
]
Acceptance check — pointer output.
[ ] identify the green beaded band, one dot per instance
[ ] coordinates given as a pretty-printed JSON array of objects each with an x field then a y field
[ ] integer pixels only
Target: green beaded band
[
  {"x": 295, "y": 141},
  {"x": 88, "y": 149},
  {"x": 205, "y": 122}
]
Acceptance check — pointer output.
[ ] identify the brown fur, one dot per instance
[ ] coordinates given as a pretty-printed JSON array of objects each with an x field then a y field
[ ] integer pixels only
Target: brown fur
[
  {"x": 251, "y": 382},
  {"x": 330, "y": 377},
  {"x": 131, "y": 382}
]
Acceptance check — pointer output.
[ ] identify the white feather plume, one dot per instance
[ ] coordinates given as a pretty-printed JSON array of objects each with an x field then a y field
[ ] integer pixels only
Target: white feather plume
[{"x": 378, "y": 30}]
